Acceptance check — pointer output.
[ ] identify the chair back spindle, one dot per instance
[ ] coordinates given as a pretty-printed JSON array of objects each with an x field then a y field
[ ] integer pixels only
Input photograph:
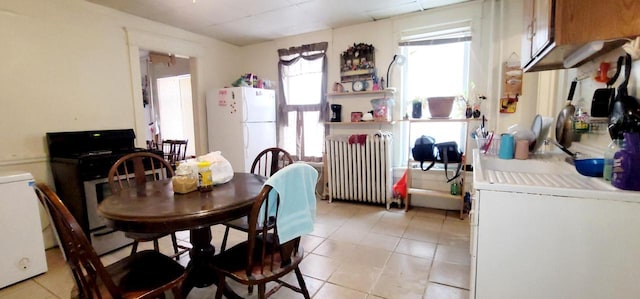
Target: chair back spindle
[
  {"x": 136, "y": 168},
  {"x": 270, "y": 160},
  {"x": 174, "y": 151}
]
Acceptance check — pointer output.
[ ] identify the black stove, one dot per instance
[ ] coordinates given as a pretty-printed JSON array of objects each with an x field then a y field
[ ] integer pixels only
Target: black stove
[
  {"x": 80, "y": 163},
  {"x": 93, "y": 152}
]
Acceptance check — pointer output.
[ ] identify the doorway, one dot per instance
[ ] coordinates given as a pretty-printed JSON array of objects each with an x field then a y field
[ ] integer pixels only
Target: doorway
[{"x": 167, "y": 98}]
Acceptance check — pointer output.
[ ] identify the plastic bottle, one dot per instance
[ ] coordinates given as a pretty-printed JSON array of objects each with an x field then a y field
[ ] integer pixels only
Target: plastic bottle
[
  {"x": 581, "y": 120},
  {"x": 611, "y": 150},
  {"x": 205, "y": 179},
  {"x": 455, "y": 188}
]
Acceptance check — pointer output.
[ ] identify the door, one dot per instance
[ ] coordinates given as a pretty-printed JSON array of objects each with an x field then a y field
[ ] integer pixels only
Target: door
[
  {"x": 176, "y": 110},
  {"x": 527, "y": 36},
  {"x": 258, "y": 136},
  {"x": 542, "y": 24},
  {"x": 167, "y": 98},
  {"x": 259, "y": 105}
]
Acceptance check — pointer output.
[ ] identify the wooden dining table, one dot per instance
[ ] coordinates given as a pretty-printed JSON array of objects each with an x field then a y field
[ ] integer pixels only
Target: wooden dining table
[{"x": 155, "y": 208}]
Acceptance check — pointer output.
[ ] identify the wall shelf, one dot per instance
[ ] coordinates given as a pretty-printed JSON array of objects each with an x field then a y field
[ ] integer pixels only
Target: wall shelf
[
  {"x": 439, "y": 120},
  {"x": 461, "y": 179},
  {"x": 360, "y": 101},
  {"x": 434, "y": 193},
  {"x": 360, "y": 123},
  {"x": 354, "y": 93}
]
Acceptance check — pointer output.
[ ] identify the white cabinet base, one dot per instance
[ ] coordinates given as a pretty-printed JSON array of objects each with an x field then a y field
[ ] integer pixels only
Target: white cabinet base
[{"x": 540, "y": 246}]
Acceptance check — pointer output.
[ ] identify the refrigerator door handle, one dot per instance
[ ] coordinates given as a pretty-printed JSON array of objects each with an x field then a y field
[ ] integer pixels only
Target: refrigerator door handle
[
  {"x": 246, "y": 137},
  {"x": 245, "y": 109}
]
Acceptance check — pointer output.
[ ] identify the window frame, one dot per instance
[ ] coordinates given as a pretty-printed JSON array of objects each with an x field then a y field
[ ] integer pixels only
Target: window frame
[
  {"x": 289, "y": 57},
  {"x": 435, "y": 37}
]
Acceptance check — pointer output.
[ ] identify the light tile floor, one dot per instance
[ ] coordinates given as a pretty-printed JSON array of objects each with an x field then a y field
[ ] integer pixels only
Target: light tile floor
[{"x": 355, "y": 251}]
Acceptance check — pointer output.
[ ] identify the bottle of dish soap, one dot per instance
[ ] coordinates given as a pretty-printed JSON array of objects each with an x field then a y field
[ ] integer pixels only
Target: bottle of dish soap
[{"x": 581, "y": 120}]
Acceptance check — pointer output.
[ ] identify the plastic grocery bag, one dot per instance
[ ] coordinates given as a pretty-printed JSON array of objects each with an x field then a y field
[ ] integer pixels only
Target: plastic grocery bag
[
  {"x": 221, "y": 170},
  {"x": 400, "y": 187}
]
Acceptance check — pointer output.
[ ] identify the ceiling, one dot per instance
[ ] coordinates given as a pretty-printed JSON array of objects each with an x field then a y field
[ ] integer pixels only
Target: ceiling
[{"x": 245, "y": 22}]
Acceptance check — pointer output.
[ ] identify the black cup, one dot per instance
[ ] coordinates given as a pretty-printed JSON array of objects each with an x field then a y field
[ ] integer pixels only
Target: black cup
[{"x": 416, "y": 110}]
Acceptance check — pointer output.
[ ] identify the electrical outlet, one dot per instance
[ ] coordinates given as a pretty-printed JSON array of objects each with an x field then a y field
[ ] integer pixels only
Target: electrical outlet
[{"x": 633, "y": 48}]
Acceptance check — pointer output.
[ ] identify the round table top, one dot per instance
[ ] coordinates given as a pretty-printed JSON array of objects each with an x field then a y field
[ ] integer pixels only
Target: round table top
[{"x": 155, "y": 208}]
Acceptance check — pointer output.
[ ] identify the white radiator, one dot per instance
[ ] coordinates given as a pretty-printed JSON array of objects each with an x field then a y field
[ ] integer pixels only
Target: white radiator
[{"x": 359, "y": 171}]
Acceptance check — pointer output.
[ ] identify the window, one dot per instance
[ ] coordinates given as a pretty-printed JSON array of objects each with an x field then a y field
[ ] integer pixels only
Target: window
[
  {"x": 175, "y": 110},
  {"x": 437, "y": 64},
  {"x": 303, "y": 79}
]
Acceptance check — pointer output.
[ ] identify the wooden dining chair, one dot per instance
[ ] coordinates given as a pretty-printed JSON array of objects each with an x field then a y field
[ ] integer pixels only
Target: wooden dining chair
[
  {"x": 145, "y": 274},
  {"x": 262, "y": 258},
  {"x": 266, "y": 163},
  {"x": 136, "y": 169},
  {"x": 174, "y": 151}
]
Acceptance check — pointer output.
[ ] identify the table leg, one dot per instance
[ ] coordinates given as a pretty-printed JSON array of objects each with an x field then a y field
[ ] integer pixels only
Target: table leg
[{"x": 200, "y": 272}]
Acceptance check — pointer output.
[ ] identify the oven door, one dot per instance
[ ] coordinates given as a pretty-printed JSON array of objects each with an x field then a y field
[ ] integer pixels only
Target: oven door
[{"x": 103, "y": 238}]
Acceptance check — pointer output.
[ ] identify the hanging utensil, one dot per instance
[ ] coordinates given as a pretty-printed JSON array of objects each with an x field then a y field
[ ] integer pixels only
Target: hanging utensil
[
  {"x": 603, "y": 97},
  {"x": 625, "y": 111},
  {"x": 564, "y": 122},
  {"x": 564, "y": 149},
  {"x": 484, "y": 129}
]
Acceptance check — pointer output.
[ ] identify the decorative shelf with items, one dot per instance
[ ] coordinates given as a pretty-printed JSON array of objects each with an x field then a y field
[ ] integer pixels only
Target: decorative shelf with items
[
  {"x": 373, "y": 107},
  {"x": 357, "y": 63}
]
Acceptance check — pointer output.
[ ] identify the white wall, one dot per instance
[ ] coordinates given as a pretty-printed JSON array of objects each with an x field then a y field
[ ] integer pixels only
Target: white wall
[
  {"x": 496, "y": 29},
  {"x": 67, "y": 68},
  {"x": 510, "y": 38}
]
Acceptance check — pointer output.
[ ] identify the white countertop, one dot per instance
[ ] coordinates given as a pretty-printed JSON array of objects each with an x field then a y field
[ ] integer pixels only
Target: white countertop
[{"x": 545, "y": 174}]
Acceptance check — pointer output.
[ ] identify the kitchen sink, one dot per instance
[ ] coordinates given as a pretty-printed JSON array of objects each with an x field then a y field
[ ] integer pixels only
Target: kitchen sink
[
  {"x": 551, "y": 174},
  {"x": 537, "y": 164}
]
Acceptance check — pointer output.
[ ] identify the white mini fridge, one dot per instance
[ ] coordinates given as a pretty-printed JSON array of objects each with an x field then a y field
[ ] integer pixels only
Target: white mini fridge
[{"x": 21, "y": 243}]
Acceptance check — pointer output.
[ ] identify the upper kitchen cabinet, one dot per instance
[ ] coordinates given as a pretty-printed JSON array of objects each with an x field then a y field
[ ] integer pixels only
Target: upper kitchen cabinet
[
  {"x": 538, "y": 28},
  {"x": 554, "y": 29}
]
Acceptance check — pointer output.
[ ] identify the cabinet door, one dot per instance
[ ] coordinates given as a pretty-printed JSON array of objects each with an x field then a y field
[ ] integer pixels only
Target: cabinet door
[
  {"x": 542, "y": 26},
  {"x": 527, "y": 35}
]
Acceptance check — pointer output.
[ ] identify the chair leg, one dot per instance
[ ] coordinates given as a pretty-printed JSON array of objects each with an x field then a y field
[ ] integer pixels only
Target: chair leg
[
  {"x": 134, "y": 247},
  {"x": 176, "y": 250},
  {"x": 156, "y": 246},
  {"x": 224, "y": 239},
  {"x": 176, "y": 293},
  {"x": 262, "y": 290},
  {"x": 303, "y": 285},
  {"x": 221, "y": 286}
]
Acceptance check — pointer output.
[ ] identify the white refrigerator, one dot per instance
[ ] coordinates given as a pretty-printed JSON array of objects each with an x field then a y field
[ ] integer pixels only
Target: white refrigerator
[
  {"x": 241, "y": 123},
  {"x": 22, "y": 245}
]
